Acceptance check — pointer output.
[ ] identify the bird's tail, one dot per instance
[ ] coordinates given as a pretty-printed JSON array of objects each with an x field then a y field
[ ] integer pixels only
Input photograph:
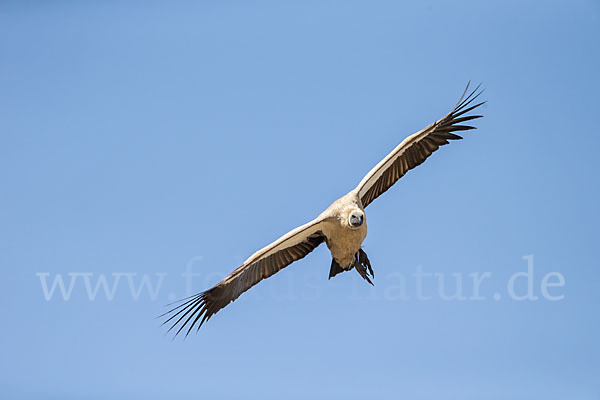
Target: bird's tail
[
  {"x": 361, "y": 263},
  {"x": 363, "y": 266},
  {"x": 335, "y": 269}
]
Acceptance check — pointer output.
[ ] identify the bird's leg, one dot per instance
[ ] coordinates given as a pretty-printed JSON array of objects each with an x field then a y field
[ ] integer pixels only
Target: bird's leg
[{"x": 363, "y": 265}]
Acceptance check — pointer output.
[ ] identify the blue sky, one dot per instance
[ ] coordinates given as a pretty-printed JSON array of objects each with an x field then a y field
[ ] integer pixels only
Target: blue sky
[{"x": 142, "y": 137}]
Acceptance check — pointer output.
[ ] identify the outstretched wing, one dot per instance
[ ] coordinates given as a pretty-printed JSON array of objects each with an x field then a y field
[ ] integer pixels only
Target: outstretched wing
[
  {"x": 291, "y": 247},
  {"x": 417, "y": 147}
]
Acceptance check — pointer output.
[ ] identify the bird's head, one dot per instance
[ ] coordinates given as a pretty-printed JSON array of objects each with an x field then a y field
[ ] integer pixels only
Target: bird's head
[{"x": 356, "y": 218}]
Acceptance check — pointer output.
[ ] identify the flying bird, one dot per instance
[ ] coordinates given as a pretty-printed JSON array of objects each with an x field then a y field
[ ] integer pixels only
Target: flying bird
[{"x": 342, "y": 226}]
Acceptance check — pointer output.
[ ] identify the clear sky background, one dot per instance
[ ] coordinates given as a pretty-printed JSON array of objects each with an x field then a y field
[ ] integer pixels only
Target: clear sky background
[{"x": 140, "y": 137}]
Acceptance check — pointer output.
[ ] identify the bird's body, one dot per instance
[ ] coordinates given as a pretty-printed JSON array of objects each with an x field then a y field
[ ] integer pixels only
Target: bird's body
[
  {"x": 342, "y": 240},
  {"x": 342, "y": 226}
]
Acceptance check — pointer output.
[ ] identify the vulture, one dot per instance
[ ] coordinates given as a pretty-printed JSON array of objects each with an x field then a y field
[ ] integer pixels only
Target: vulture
[{"x": 342, "y": 226}]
